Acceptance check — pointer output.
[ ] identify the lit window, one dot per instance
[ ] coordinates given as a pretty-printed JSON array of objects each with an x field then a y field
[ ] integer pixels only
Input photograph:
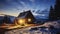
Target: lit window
[
  {"x": 29, "y": 20},
  {"x": 21, "y": 21}
]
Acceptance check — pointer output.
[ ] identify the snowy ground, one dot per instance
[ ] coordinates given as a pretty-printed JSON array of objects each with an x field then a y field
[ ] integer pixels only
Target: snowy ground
[{"x": 43, "y": 29}]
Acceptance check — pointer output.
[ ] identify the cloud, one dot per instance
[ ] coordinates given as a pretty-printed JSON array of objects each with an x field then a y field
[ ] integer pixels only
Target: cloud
[
  {"x": 32, "y": 0},
  {"x": 23, "y": 3}
]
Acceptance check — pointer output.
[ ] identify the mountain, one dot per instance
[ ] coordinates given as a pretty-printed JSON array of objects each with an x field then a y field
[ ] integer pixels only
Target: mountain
[
  {"x": 38, "y": 11},
  {"x": 9, "y": 17},
  {"x": 45, "y": 11},
  {"x": 41, "y": 14}
]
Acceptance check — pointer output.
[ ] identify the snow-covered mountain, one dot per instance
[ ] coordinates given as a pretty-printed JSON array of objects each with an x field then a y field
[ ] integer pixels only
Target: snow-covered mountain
[
  {"x": 9, "y": 16},
  {"x": 41, "y": 14}
]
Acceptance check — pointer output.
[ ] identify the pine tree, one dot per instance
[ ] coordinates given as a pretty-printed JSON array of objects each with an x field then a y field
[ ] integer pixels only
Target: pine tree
[
  {"x": 51, "y": 13},
  {"x": 55, "y": 13},
  {"x": 57, "y": 10}
]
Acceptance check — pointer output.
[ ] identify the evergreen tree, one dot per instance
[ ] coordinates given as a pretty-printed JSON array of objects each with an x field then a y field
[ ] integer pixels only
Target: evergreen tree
[
  {"x": 51, "y": 13},
  {"x": 55, "y": 13},
  {"x": 57, "y": 10}
]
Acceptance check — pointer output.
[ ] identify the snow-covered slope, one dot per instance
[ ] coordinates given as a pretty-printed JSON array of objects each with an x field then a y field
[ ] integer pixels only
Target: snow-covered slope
[{"x": 47, "y": 28}]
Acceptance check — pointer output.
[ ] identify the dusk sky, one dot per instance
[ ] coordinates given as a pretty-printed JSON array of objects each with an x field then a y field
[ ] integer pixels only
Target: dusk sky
[{"x": 14, "y": 7}]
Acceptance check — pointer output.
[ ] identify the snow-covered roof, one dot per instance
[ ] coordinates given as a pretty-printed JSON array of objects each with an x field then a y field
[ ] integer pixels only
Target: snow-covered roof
[{"x": 24, "y": 14}]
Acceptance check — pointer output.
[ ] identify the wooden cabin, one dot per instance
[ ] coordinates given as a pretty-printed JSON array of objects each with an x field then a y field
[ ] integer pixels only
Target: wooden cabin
[{"x": 25, "y": 17}]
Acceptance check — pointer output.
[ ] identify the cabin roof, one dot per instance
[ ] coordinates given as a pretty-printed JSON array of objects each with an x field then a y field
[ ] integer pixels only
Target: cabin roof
[{"x": 24, "y": 14}]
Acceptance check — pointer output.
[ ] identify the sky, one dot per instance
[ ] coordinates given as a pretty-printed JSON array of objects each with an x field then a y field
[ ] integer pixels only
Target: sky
[{"x": 14, "y": 7}]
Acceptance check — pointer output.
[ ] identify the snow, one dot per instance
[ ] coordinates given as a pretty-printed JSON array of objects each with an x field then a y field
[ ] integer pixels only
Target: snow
[
  {"x": 54, "y": 23},
  {"x": 27, "y": 31},
  {"x": 41, "y": 29}
]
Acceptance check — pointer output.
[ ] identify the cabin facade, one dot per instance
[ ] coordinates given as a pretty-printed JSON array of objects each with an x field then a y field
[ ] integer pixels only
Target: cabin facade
[{"x": 25, "y": 17}]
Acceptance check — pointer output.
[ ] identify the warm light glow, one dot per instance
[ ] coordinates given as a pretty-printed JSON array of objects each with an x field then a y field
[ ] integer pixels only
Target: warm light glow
[
  {"x": 29, "y": 20},
  {"x": 21, "y": 21}
]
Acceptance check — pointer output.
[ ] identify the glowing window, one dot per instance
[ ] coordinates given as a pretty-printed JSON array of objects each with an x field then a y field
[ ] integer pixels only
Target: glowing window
[
  {"x": 21, "y": 21},
  {"x": 29, "y": 20}
]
